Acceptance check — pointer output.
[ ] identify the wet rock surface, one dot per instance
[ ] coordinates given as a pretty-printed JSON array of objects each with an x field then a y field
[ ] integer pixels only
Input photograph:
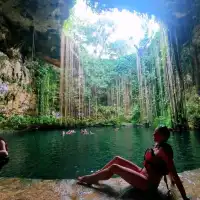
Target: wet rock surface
[{"x": 115, "y": 188}]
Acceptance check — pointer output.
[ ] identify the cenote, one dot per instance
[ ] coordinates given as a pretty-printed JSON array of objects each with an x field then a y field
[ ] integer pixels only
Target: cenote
[{"x": 49, "y": 155}]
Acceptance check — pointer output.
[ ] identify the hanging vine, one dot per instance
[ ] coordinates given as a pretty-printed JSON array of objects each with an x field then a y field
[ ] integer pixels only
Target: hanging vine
[{"x": 46, "y": 84}]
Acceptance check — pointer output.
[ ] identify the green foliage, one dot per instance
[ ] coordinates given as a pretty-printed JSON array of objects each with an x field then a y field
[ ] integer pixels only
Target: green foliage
[
  {"x": 107, "y": 111},
  {"x": 136, "y": 114},
  {"x": 47, "y": 87},
  {"x": 193, "y": 108},
  {"x": 108, "y": 63},
  {"x": 2, "y": 118},
  {"x": 162, "y": 121},
  {"x": 126, "y": 65},
  {"x": 109, "y": 66},
  {"x": 20, "y": 121}
]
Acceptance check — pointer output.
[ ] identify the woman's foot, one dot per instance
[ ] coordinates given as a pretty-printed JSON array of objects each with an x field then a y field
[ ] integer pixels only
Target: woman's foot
[{"x": 86, "y": 180}]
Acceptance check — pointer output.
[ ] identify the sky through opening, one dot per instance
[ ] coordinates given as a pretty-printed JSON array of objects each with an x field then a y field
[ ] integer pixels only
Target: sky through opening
[{"x": 129, "y": 26}]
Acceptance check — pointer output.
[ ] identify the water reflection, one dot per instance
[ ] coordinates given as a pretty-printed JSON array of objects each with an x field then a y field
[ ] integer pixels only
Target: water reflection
[{"x": 183, "y": 148}]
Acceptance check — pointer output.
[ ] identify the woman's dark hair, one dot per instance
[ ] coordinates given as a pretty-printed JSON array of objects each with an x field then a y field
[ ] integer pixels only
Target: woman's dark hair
[{"x": 164, "y": 131}]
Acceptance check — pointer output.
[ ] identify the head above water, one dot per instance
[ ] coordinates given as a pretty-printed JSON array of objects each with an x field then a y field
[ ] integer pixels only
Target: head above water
[{"x": 161, "y": 134}]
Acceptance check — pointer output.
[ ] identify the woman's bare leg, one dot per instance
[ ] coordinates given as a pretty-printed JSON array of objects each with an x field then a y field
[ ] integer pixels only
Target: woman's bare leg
[
  {"x": 131, "y": 176},
  {"x": 122, "y": 162}
]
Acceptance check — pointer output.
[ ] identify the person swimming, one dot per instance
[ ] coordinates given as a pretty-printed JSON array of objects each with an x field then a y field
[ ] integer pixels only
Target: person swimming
[
  {"x": 84, "y": 132},
  {"x": 116, "y": 129},
  {"x": 73, "y": 131},
  {"x": 63, "y": 133},
  {"x": 70, "y": 132}
]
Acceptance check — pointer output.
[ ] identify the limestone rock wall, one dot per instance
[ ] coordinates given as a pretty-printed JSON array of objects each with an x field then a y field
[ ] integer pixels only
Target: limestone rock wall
[
  {"x": 32, "y": 25},
  {"x": 16, "y": 86}
]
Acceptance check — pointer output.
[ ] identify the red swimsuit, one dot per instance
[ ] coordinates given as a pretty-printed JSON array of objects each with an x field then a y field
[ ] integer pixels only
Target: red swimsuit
[{"x": 155, "y": 163}]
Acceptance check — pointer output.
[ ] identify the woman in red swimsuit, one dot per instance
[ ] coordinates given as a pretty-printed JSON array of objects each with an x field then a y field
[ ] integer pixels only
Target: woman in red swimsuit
[{"x": 158, "y": 162}]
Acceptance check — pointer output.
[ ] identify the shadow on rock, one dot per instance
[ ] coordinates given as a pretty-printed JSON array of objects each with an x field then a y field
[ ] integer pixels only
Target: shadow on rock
[{"x": 131, "y": 193}]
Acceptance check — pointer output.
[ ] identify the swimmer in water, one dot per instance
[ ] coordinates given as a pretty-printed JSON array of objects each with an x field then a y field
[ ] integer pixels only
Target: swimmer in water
[
  {"x": 84, "y": 132},
  {"x": 91, "y": 133}
]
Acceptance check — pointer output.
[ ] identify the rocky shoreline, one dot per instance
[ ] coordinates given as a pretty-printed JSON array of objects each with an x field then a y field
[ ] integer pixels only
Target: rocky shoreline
[{"x": 115, "y": 188}]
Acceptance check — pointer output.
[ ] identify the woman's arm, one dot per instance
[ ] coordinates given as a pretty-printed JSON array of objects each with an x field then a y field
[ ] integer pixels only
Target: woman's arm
[
  {"x": 173, "y": 174},
  {"x": 178, "y": 182}
]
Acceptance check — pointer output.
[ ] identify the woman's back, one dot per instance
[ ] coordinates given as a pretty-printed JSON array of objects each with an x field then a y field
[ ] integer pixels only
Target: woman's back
[{"x": 155, "y": 164}]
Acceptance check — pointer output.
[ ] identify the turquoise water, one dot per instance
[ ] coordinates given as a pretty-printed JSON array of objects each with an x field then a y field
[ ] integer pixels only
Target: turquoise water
[{"x": 49, "y": 155}]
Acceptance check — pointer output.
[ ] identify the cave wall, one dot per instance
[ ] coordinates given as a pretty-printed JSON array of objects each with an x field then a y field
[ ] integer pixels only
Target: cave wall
[
  {"x": 29, "y": 29},
  {"x": 16, "y": 95},
  {"x": 33, "y": 26}
]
